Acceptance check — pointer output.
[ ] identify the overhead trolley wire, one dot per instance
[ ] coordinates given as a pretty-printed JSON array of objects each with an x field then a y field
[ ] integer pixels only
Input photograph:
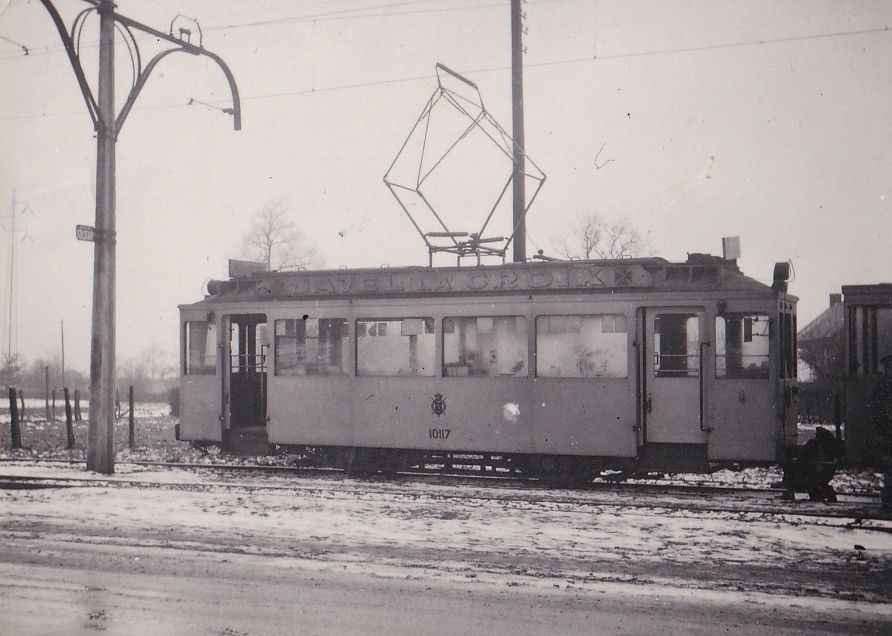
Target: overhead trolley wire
[{"x": 594, "y": 58}]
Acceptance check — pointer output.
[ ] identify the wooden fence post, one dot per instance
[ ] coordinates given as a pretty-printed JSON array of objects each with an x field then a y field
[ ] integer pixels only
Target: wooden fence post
[
  {"x": 14, "y": 419},
  {"x": 54, "y": 405},
  {"x": 77, "y": 405},
  {"x": 46, "y": 392},
  {"x": 22, "y": 400},
  {"x": 132, "y": 419},
  {"x": 69, "y": 425}
]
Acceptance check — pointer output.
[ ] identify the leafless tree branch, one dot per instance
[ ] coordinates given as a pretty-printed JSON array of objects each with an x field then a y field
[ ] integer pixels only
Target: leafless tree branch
[
  {"x": 593, "y": 236},
  {"x": 273, "y": 239}
]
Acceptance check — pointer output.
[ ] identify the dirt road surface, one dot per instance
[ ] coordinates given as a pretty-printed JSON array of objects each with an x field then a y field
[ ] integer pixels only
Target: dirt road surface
[{"x": 185, "y": 553}]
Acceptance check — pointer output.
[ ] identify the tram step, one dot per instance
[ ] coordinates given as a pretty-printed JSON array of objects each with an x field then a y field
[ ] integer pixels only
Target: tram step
[
  {"x": 674, "y": 457},
  {"x": 247, "y": 441}
]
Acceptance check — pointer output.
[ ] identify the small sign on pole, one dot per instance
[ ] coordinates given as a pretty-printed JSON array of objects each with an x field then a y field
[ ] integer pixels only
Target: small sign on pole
[{"x": 85, "y": 233}]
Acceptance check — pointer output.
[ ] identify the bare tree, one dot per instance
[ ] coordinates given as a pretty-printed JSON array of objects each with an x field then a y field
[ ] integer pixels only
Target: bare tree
[
  {"x": 273, "y": 239},
  {"x": 158, "y": 362},
  {"x": 593, "y": 236},
  {"x": 11, "y": 372}
]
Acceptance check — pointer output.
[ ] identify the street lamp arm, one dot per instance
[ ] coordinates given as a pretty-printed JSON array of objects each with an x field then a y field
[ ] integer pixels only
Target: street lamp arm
[
  {"x": 75, "y": 62},
  {"x": 144, "y": 76},
  {"x": 236, "y": 101},
  {"x": 185, "y": 47}
]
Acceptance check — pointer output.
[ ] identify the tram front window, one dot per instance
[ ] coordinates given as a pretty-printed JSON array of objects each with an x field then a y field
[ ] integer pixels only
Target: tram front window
[
  {"x": 201, "y": 348},
  {"x": 485, "y": 346},
  {"x": 403, "y": 347},
  {"x": 582, "y": 346},
  {"x": 741, "y": 346}
]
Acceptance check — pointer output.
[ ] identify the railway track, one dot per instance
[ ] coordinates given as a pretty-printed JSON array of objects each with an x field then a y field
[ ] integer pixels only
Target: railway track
[{"x": 852, "y": 508}]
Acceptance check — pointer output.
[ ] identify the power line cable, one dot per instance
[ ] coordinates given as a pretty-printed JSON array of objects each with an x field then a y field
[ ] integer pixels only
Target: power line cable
[
  {"x": 336, "y": 15},
  {"x": 21, "y": 46},
  {"x": 318, "y": 17},
  {"x": 884, "y": 29}
]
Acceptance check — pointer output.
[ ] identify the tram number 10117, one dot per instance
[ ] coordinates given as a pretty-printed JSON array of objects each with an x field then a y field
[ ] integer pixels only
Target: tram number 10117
[{"x": 439, "y": 433}]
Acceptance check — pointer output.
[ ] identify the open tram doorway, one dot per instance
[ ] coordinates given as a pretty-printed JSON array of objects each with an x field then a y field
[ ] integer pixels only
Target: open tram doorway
[
  {"x": 673, "y": 397},
  {"x": 245, "y": 382}
]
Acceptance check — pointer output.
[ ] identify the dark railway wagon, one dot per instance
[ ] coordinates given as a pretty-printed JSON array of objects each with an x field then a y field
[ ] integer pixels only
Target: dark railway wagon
[
  {"x": 868, "y": 333},
  {"x": 549, "y": 365}
]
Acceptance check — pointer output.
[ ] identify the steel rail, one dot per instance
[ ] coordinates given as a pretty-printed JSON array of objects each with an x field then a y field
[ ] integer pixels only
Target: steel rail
[{"x": 668, "y": 497}]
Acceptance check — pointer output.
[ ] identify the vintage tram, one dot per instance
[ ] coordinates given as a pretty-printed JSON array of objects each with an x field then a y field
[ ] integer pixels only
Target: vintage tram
[{"x": 552, "y": 367}]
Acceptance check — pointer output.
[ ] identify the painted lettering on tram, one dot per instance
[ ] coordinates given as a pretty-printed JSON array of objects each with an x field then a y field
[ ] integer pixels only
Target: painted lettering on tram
[
  {"x": 541, "y": 280},
  {"x": 589, "y": 277},
  {"x": 477, "y": 282},
  {"x": 506, "y": 280},
  {"x": 467, "y": 280}
]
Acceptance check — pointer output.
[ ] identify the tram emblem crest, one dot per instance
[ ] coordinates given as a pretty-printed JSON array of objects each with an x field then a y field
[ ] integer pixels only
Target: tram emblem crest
[{"x": 438, "y": 404}]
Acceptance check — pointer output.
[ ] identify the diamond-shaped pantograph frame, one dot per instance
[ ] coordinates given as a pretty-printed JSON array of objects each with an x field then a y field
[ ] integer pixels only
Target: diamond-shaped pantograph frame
[{"x": 454, "y": 118}]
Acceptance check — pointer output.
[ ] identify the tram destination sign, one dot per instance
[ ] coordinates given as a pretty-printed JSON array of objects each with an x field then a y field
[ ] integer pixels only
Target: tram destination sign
[{"x": 438, "y": 281}]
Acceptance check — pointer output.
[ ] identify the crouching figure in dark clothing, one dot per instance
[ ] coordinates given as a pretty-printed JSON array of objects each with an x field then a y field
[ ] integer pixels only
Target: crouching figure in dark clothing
[
  {"x": 881, "y": 408},
  {"x": 809, "y": 468}
]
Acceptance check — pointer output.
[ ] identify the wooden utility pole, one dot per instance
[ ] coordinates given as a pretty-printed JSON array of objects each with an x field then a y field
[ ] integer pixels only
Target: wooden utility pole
[
  {"x": 46, "y": 391},
  {"x": 69, "y": 424},
  {"x": 132, "y": 419},
  {"x": 15, "y": 429},
  {"x": 101, "y": 442},
  {"x": 63, "y": 353},
  {"x": 520, "y": 231}
]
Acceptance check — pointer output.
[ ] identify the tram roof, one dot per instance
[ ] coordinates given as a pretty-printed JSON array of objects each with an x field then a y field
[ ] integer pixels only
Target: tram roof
[
  {"x": 701, "y": 272},
  {"x": 875, "y": 294}
]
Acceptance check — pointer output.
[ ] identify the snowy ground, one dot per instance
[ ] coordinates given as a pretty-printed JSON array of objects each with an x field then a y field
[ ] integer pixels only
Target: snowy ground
[
  {"x": 553, "y": 535},
  {"x": 483, "y": 537}
]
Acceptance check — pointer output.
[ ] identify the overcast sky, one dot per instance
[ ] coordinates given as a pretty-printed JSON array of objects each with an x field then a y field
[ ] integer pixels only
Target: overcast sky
[{"x": 764, "y": 120}]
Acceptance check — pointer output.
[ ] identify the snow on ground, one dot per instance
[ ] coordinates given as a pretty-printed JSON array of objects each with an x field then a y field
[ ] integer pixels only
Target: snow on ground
[{"x": 453, "y": 519}]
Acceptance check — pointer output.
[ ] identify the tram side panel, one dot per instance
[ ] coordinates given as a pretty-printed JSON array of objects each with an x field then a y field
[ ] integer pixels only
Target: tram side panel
[
  {"x": 414, "y": 413},
  {"x": 750, "y": 380},
  {"x": 200, "y": 383},
  {"x": 743, "y": 421},
  {"x": 590, "y": 416},
  {"x": 566, "y": 417}
]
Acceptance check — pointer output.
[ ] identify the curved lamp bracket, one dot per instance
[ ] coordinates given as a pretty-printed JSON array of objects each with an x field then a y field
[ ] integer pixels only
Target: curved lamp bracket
[{"x": 141, "y": 75}]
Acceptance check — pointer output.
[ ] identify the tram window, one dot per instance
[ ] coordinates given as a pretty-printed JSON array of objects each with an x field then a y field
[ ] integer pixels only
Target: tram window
[
  {"x": 870, "y": 338},
  {"x": 741, "y": 346},
  {"x": 403, "y": 347},
  {"x": 676, "y": 346},
  {"x": 311, "y": 346},
  {"x": 248, "y": 347},
  {"x": 582, "y": 346},
  {"x": 482, "y": 346},
  {"x": 201, "y": 348}
]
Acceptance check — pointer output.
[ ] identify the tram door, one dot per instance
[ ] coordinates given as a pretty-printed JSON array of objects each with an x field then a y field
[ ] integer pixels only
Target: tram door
[
  {"x": 673, "y": 378},
  {"x": 244, "y": 377}
]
